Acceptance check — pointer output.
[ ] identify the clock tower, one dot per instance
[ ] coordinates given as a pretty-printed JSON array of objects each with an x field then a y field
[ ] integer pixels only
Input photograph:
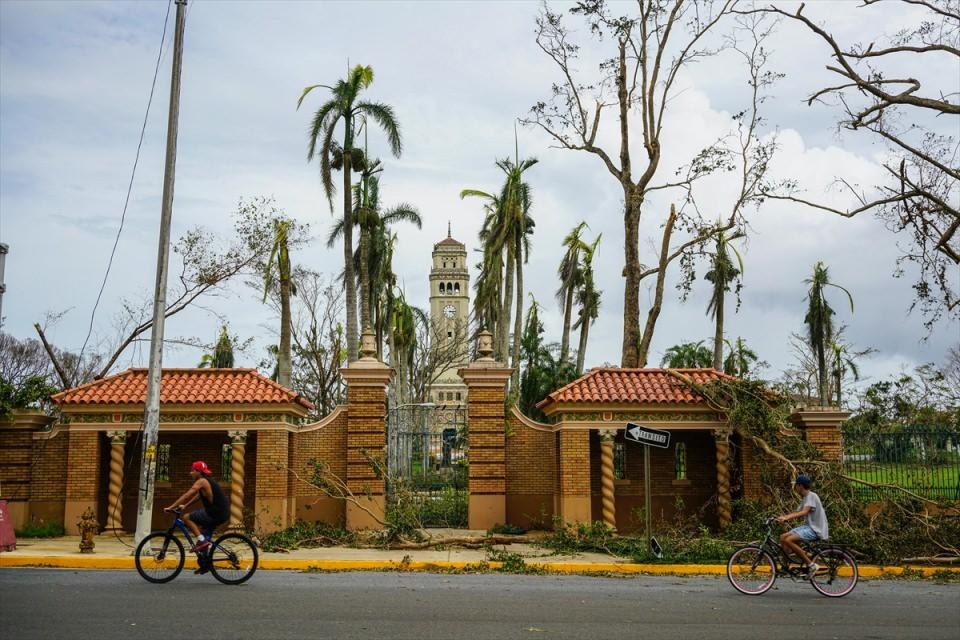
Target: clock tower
[{"x": 449, "y": 313}]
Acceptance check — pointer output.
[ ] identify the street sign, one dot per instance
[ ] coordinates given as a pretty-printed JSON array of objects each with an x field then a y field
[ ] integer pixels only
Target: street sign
[
  {"x": 655, "y": 548},
  {"x": 647, "y": 436}
]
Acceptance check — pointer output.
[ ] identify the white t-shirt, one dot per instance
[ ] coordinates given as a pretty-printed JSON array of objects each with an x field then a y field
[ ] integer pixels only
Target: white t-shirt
[{"x": 816, "y": 517}]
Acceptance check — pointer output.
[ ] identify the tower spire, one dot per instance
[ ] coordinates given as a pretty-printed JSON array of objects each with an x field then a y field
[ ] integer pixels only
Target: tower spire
[{"x": 448, "y": 229}]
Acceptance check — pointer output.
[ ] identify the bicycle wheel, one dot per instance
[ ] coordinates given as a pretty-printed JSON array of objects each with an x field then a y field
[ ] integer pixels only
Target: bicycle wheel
[
  {"x": 837, "y": 573},
  {"x": 159, "y": 557},
  {"x": 751, "y": 570},
  {"x": 233, "y": 558}
]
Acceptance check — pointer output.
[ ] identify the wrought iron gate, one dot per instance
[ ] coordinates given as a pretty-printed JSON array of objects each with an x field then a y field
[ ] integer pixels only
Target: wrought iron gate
[{"x": 427, "y": 464}]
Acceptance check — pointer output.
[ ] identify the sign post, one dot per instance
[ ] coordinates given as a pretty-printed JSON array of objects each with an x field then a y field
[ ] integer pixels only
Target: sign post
[{"x": 648, "y": 438}]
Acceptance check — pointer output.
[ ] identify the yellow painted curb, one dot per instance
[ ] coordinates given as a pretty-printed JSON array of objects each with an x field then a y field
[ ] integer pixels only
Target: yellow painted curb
[{"x": 8, "y": 561}]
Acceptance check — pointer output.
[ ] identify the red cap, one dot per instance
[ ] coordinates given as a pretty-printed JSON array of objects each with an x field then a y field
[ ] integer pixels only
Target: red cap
[{"x": 202, "y": 467}]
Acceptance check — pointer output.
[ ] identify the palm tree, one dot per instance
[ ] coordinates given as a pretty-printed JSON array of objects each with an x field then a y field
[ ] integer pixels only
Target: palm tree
[
  {"x": 588, "y": 297},
  {"x": 543, "y": 373},
  {"x": 373, "y": 261},
  {"x": 222, "y": 356},
  {"x": 505, "y": 231},
  {"x": 280, "y": 254},
  {"x": 345, "y": 105},
  {"x": 740, "y": 359},
  {"x": 819, "y": 321},
  {"x": 723, "y": 271},
  {"x": 571, "y": 276},
  {"x": 687, "y": 355},
  {"x": 843, "y": 360}
]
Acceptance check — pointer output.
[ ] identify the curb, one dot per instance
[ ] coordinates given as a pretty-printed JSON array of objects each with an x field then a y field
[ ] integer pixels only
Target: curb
[{"x": 292, "y": 564}]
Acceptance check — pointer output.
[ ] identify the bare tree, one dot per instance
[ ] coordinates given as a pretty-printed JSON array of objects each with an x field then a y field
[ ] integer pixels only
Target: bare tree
[
  {"x": 207, "y": 265},
  {"x": 319, "y": 344},
  {"x": 801, "y": 381},
  {"x": 653, "y": 48},
  {"x": 918, "y": 199},
  {"x": 439, "y": 348}
]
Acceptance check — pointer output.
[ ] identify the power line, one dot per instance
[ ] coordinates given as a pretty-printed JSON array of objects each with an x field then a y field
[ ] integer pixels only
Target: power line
[{"x": 126, "y": 202}]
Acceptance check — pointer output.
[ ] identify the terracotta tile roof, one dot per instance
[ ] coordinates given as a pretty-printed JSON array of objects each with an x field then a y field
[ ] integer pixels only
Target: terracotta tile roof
[
  {"x": 449, "y": 242},
  {"x": 183, "y": 386},
  {"x": 612, "y": 385}
]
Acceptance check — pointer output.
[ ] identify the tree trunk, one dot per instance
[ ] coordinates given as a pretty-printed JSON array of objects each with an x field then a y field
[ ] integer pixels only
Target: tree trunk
[
  {"x": 654, "y": 312},
  {"x": 567, "y": 312},
  {"x": 838, "y": 379},
  {"x": 822, "y": 376},
  {"x": 503, "y": 339},
  {"x": 630, "y": 354},
  {"x": 349, "y": 279},
  {"x": 517, "y": 325},
  {"x": 284, "y": 365},
  {"x": 364, "y": 277},
  {"x": 718, "y": 333},
  {"x": 582, "y": 349}
]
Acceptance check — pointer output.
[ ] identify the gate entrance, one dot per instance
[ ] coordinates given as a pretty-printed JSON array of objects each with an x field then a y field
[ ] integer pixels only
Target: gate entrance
[{"x": 427, "y": 466}]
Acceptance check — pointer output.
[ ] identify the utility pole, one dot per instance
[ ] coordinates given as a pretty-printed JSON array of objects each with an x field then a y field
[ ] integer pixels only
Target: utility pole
[{"x": 151, "y": 414}]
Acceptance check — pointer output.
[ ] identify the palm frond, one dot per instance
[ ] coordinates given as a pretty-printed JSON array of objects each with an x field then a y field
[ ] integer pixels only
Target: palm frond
[{"x": 385, "y": 117}]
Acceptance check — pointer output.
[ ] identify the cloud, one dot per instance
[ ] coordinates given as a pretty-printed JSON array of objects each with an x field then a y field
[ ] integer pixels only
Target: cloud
[{"x": 75, "y": 80}]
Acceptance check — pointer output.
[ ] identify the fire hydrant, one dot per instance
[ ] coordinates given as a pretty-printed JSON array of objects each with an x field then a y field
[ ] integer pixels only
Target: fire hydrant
[{"x": 89, "y": 527}]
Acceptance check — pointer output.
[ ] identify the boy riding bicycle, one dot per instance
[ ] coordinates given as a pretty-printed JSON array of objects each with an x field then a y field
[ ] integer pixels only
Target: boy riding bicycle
[
  {"x": 215, "y": 511},
  {"x": 815, "y": 525}
]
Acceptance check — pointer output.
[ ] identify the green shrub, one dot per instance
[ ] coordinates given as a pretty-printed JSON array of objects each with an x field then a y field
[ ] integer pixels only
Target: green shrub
[{"x": 41, "y": 530}]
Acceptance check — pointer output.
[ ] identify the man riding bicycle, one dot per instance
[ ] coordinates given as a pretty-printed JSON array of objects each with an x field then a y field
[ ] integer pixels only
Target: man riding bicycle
[
  {"x": 215, "y": 511},
  {"x": 815, "y": 525}
]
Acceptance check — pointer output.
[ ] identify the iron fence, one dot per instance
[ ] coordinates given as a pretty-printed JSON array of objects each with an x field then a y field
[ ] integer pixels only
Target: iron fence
[
  {"x": 427, "y": 463},
  {"x": 924, "y": 460}
]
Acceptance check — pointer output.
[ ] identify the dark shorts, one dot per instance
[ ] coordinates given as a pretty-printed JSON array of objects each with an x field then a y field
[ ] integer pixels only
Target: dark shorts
[{"x": 203, "y": 519}]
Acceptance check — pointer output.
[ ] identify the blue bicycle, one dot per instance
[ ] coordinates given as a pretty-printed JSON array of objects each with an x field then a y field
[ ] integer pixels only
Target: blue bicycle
[{"x": 232, "y": 558}]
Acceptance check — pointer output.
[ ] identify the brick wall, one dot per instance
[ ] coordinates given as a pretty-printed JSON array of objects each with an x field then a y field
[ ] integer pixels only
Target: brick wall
[
  {"x": 327, "y": 444},
  {"x": 16, "y": 454},
  {"x": 531, "y": 475},
  {"x": 185, "y": 448},
  {"x": 574, "y": 463},
  {"x": 696, "y": 492},
  {"x": 83, "y": 465}
]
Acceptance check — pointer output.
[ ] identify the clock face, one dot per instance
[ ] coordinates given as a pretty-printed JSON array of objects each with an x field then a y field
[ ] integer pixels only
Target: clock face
[{"x": 449, "y": 311}]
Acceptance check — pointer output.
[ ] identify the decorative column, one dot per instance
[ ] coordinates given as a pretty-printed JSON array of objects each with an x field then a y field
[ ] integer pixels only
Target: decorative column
[
  {"x": 606, "y": 477},
  {"x": 238, "y": 441},
  {"x": 486, "y": 381},
  {"x": 118, "y": 440},
  {"x": 367, "y": 380},
  {"x": 724, "y": 508}
]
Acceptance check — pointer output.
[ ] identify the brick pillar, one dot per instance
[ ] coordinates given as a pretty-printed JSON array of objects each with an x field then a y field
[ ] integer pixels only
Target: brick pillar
[
  {"x": 821, "y": 427},
  {"x": 367, "y": 380},
  {"x": 486, "y": 381},
  {"x": 573, "y": 451},
  {"x": 118, "y": 440},
  {"x": 83, "y": 476},
  {"x": 271, "y": 491},
  {"x": 238, "y": 450},
  {"x": 724, "y": 504}
]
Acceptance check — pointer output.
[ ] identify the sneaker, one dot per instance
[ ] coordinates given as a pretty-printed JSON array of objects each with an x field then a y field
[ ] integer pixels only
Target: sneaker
[
  {"x": 201, "y": 570},
  {"x": 812, "y": 570},
  {"x": 200, "y": 547}
]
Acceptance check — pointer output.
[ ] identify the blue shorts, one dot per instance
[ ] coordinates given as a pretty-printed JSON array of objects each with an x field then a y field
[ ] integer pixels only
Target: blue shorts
[{"x": 806, "y": 533}]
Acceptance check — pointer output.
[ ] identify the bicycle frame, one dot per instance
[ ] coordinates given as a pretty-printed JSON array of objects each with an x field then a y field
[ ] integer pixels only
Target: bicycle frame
[
  {"x": 179, "y": 524},
  {"x": 781, "y": 559}
]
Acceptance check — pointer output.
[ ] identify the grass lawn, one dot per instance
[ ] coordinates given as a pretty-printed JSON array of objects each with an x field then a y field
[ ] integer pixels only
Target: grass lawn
[{"x": 935, "y": 482}]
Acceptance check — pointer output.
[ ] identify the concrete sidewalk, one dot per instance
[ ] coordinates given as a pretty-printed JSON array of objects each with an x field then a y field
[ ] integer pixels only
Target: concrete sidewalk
[{"x": 112, "y": 552}]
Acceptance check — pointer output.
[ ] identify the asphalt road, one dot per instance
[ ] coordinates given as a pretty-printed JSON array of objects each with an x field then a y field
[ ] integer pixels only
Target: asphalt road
[{"x": 108, "y": 605}]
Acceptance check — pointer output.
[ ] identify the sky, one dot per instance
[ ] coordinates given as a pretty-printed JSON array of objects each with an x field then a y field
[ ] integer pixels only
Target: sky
[{"x": 74, "y": 81}]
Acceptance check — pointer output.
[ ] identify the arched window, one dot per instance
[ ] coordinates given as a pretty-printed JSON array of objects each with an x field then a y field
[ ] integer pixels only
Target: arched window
[
  {"x": 680, "y": 461},
  {"x": 456, "y": 287},
  {"x": 442, "y": 289}
]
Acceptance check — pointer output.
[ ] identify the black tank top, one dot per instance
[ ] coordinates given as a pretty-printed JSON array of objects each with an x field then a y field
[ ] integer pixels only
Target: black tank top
[{"x": 219, "y": 507}]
